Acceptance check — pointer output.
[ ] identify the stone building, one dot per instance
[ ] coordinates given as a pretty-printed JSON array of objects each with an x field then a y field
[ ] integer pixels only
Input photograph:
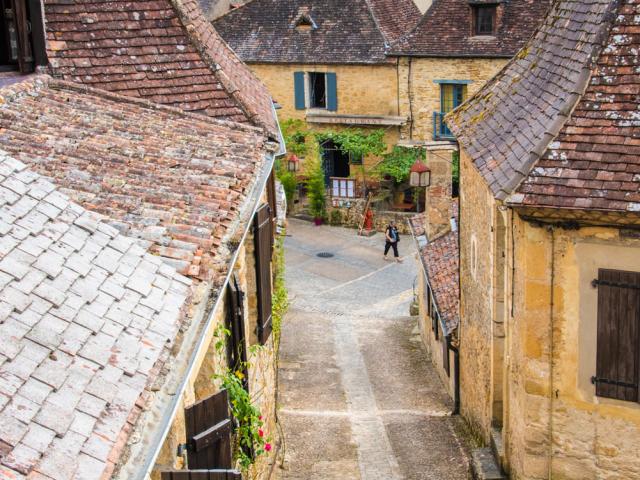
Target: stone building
[
  {"x": 549, "y": 249},
  {"x": 151, "y": 233},
  {"x": 186, "y": 189},
  {"x": 457, "y": 46},
  {"x": 324, "y": 61}
]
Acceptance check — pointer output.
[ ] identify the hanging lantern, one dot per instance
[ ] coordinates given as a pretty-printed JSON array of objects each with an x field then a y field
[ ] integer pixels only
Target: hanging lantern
[
  {"x": 293, "y": 164},
  {"x": 420, "y": 175}
]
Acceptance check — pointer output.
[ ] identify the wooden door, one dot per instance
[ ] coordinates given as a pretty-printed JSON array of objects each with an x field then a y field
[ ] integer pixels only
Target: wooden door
[{"x": 208, "y": 431}]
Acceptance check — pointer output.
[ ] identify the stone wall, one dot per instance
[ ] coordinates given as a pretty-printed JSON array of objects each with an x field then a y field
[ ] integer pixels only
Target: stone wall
[
  {"x": 555, "y": 403},
  {"x": 351, "y": 212},
  {"x": 420, "y": 95},
  {"x": 476, "y": 312}
]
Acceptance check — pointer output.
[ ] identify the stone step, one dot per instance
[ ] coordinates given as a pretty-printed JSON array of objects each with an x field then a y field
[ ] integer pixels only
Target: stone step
[
  {"x": 497, "y": 446},
  {"x": 484, "y": 465}
]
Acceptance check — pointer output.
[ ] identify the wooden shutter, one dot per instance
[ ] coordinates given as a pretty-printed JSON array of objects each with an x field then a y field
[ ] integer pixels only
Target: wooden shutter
[
  {"x": 21, "y": 22},
  {"x": 201, "y": 475},
  {"x": 332, "y": 92},
  {"x": 298, "y": 83},
  {"x": 263, "y": 239},
  {"x": 618, "y": 353},
  {"x": 208, "y": 429},
  {"x": 237, "y": 347},
  {"x": 445, "y": 355}
]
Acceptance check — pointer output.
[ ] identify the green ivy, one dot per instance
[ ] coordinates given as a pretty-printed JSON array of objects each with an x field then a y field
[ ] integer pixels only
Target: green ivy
[
  {"x": 356, "y": 142},
  {"x": 316, "y": 190},
  {"x": 296, "y": 133},
  {"x": 280, "y": 297},
  {"x": 397, "y": 163}
]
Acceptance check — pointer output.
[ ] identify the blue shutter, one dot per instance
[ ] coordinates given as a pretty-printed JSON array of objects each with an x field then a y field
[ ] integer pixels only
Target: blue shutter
[
  {"x": 298, "y": 82},
  {"x": 332, "y": 92}
]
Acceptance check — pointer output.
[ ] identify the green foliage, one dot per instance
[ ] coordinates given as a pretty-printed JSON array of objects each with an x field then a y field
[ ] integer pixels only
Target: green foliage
[
  {"x": 280, "y": 297},
  {"x": 295, "y": 134},
  {"x": 355, "y": 142},
  {"x": 455, "y": 167},
  {"x": 316, "y": 190},
  {"x": 335, "y": 217},
  {"x": 289, "y": 183},
  {"x": 398, "y": 162},
  {"x": 248, "y": 434}
]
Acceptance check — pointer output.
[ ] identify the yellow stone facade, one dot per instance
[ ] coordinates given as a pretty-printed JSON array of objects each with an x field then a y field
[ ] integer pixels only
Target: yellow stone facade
[
  {"x": 361, "y": 90},
  {"x": 419, "y": 94},
  {"x": 526, "y": 370}
]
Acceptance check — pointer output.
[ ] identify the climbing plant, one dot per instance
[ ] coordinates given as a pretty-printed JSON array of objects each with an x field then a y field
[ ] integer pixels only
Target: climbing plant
[
  {"x": 397, "y": 163},
  {"x": 356, "y": 142},
  {"x": 250, "y": 439}
]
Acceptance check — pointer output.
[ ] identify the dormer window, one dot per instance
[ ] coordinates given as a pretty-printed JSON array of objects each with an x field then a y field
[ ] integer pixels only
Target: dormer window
[
  {"x": 304, "y": 22},
  {"x": 484, "y": 19}
]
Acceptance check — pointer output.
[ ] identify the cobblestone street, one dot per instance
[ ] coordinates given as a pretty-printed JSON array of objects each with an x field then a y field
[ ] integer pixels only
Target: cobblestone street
[{"x": 358, "y": 396}]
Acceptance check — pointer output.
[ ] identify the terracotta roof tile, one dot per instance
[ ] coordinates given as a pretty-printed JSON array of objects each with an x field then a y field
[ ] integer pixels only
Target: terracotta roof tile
[
  {"x": 173, "y": 180},
  {"x": 441, "y": 259},
  {"x": 355, "y": 31},
  {"x": 594, "y": 163},
  {"x": 509, "y": 124},
  {"x": 161, "y": 50},
  {"x": 56, "y": 368},
  {"x": 446, "y": 30}
]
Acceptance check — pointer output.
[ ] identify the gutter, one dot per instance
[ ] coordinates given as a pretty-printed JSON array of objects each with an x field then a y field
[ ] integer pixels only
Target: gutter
[{"x": 168, "y": 412}]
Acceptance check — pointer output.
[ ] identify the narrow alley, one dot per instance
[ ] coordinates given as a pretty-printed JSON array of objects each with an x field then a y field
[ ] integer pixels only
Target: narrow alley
[{"x": 358, "y": 396}]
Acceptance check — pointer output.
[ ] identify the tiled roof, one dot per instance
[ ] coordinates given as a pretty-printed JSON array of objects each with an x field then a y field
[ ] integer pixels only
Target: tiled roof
[
  {"x": 354, "y": 31},
  {"x": 175, "y": 180},
  {"x": 86, "y": 321},
  {"x": 446, "y": 30},
  {"x": 161, "y": 50},
  {"x": 595, "y": 161},
  {"x": 441, "y": 259},
  {"x": 509, "y": 124}
]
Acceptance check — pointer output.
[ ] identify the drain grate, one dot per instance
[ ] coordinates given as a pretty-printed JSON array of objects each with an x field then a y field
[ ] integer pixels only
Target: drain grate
[{"x": 325, "y": 255}]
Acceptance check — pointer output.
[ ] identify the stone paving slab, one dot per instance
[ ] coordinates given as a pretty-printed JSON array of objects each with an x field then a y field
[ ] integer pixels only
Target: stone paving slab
[{"x": 359, "y": 398}]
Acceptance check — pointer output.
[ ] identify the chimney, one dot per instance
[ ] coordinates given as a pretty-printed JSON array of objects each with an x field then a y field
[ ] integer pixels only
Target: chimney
[{"x": 438, "y": 194}]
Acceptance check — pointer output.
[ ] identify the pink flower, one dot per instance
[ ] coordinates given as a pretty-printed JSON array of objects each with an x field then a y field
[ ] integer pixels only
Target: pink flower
[
  {"x": 267, "y": 447},
  {"x": 260, "y": 432}
]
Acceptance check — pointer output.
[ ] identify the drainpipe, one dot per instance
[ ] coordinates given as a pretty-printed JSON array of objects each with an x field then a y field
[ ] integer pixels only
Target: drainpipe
[
  {"x": 456, "y": 376},
  {"x": 552, "y": 262}
]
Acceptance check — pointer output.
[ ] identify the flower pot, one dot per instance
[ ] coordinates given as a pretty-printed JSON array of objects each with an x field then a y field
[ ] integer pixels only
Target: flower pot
[{"x": 317, "y": 221}]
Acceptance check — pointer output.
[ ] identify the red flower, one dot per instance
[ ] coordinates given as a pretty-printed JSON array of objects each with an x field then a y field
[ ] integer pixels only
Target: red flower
[
  {"x": 260, "y": 417},
  {"x": 260, "y": 432},
  {"x": 267, "y": 447}
]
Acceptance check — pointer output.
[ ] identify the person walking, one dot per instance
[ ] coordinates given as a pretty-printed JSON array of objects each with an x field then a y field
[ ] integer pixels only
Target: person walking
[{"x": 392, "y": 238}]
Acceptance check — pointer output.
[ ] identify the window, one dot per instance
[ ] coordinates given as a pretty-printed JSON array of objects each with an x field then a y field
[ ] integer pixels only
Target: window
[
  {"x": 21, "y": 35},
  {"x": 315, "y": 90},
  {"x": 452, "y": 95},
  {"x": 343, "y": 187},
  {"x": 484, "y": 19},
  {"x": 618, "y": 351}
]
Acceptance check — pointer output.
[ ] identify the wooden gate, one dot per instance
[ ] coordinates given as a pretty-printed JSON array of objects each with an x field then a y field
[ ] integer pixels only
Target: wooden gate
[
  {"x": 202, "y": 475},
  {"x": 263, "y": 246},
  {"x": 208, "y": 428},
  {"x": 237, "y": 347}
]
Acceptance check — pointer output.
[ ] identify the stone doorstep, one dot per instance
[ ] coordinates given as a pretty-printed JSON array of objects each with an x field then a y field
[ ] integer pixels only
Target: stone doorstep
[
  {"x": 484, "y": 465},
  {"x": 497, "y": 446}
]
